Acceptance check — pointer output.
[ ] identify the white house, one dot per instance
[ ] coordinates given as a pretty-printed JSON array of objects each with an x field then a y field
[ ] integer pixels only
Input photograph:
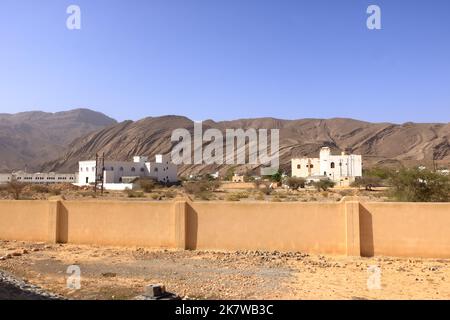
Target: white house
[
  {"x": 342, "y": 169},
  {"x": 115, "y": 172}
]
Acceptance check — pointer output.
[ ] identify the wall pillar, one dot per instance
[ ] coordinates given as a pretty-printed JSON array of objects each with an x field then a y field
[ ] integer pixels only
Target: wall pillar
[
  {"x": 351, "y": 209},
  {"x": 180, "y": 224},
  {"x": 53, "y": 220}
]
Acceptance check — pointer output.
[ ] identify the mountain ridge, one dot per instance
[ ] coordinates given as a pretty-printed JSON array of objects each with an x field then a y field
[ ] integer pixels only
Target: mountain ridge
[{"x": 380, "y": 143}]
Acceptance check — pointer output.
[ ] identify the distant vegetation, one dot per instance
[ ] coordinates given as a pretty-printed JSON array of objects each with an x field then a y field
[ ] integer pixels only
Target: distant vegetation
[{"x": 413, "y": 185}]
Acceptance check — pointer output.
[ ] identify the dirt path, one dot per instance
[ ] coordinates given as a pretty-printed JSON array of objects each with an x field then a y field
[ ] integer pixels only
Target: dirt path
[{"x": 123, "y": 273}]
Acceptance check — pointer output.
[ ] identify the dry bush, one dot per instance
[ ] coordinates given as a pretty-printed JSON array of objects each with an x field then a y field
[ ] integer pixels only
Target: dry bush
[
  {"x": 260, "y": 197},
  {"x": 170, "y": 194},
  {"x": 201, "y": 186},
  {"x": 15, "y": 189},
  {"x": 40, "y": 188},
  {"x": 233, "y": 197},
  {"x": 204, "y": 195},
  {"x": 134, "y": 194},
  {"x": 147, "y": 185},
  {"x": 276, "y": 199}
]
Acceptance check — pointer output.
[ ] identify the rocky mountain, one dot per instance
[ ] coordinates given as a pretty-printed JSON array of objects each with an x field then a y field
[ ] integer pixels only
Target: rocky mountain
[
  {"x": 29, "y": 139},
  {"x": 379, "y": 143}
]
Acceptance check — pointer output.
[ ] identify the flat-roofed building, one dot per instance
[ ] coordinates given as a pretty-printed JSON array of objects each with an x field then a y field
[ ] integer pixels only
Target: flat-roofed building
[{"x": 342, "y": 169}]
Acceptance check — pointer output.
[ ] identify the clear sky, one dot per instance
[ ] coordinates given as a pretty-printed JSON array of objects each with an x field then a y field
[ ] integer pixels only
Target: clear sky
[{"x": 228, "y": 59}]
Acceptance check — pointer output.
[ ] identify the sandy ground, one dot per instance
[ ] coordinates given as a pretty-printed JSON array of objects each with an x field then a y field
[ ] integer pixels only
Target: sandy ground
[{"x": 123, "y": 273}]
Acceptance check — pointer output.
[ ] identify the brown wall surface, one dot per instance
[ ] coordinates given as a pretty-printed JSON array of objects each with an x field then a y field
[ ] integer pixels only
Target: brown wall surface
[
  {"x": 117, "y": 223},
  {"x": 266, "y": 226},
  {"x": 348, "y": 227},
  {"x": 405, "y": 229},
  {"x": 24, "y": 220}
]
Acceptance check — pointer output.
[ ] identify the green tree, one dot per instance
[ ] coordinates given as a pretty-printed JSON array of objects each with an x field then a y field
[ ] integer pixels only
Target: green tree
[
  {"x": 323, "y": 185},
  {"x": 295, "y": 183},
  {"x": 413, "y": 185}
]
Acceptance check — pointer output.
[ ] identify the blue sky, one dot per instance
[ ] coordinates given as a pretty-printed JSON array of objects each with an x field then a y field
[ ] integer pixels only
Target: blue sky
[{"x": 228, "y": 59}]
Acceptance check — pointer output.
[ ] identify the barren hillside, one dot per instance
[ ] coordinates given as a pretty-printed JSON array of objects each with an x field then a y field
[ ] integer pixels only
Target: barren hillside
[
  {"x": 379, "y": 143},
  {"x": 30, "y": 138}
]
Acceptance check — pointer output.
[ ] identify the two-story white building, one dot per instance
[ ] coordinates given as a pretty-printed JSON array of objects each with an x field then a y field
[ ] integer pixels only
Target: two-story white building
[
  {"x": 342, "y": 169},
  {"x": 115, "y": 172}
]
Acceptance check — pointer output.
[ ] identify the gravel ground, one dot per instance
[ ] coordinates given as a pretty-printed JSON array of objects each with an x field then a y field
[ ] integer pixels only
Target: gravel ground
[
  {"x": 12, "y": 288},
  {"x": 123, "y": 273}
]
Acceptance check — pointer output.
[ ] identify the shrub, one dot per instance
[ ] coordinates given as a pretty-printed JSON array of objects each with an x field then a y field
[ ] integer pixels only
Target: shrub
[
  {"x": 295, "y": 183},
  {"x": 15, "y": 189},
  {"x": 147, "y": 185},
  {"x": 55, "y": 192},
  {"x": 323, "y": 185},
  {"x": 260, "y": 197},
  {"x": 204, "y": 195},
  {"x": 170, "y": 194},
  {"x": 368, "y": 182},
  {"x": 134, "y": 194},
  {"x": 201, "y": 186},
  {"x": 413, "y": 185},
  {"x": 276, "y": 199},
  {"x": 155, "y": 196},
  {"x": 40, "y": 188},
  {"x": 233, "y": 197},
  {"x": 277, "y": 177}
]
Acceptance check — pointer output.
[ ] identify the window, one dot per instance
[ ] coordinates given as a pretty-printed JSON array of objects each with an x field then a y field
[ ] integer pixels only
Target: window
[
  {"x": 87, "y": 169},
  {"x": 311, "y": 166},
  {"x": 121, "y": 169},
  {"x": 333, "y": 165},
  {"x": 133, "y": 169},
  {"x": 299, "y": 166},
  {"x": 156, "y": 169},
  {"x": 81, "y": 169},
  {"x": 142, "y": 170},
  {"x": 112, "y": 168}
]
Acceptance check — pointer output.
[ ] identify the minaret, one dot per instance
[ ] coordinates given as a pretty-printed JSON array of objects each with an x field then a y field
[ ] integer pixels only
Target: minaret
[{"x": 324, "y": 160}]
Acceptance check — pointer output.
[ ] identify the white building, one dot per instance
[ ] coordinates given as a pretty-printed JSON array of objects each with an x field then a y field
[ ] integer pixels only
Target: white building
[
  {"x": 115, "y": 172},
  {"x": 39, "y": 178},
  {"x": 342, "y": 169}
]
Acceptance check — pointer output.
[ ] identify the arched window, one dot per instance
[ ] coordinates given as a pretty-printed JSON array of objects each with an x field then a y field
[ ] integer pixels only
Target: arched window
[
  {"x": 299, "y": 166},
  {"x": 133, "y": 169},
  {"x": 332, "y": 165},
  {"x": 112, "y": 168},
  {"x": 142, "y": 170},
  {"x": 311, "y": 166},
  {"x": 121, "y": 169}
]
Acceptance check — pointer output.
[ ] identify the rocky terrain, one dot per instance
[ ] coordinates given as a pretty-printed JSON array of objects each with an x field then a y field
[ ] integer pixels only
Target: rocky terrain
[
  {"x": 379, "y": 143},
  {"x": 30, "y": 138},
  {"x": 123, "y": 273},
  {"x": 12, "y": 288}
]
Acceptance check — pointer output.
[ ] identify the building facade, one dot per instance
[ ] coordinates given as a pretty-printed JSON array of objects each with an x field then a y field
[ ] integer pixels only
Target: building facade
[
  {"x": 39, "y": 178},
  {"x": 342, "y": 169},
  {"x": 115, "y": 172}
]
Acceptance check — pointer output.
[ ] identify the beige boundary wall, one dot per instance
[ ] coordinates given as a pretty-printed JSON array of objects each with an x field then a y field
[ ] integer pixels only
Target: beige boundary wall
[{"x": 348, "y": 227}]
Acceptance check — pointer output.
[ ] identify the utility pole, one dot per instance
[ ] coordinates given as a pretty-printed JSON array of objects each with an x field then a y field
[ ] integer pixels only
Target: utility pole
[{"x": 99, "y": 172}]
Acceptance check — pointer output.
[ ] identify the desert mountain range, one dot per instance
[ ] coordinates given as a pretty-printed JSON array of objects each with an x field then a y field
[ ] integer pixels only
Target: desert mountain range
[
  {"x": 379, "y": 143},
  {"x": 29, "y": 139}
]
